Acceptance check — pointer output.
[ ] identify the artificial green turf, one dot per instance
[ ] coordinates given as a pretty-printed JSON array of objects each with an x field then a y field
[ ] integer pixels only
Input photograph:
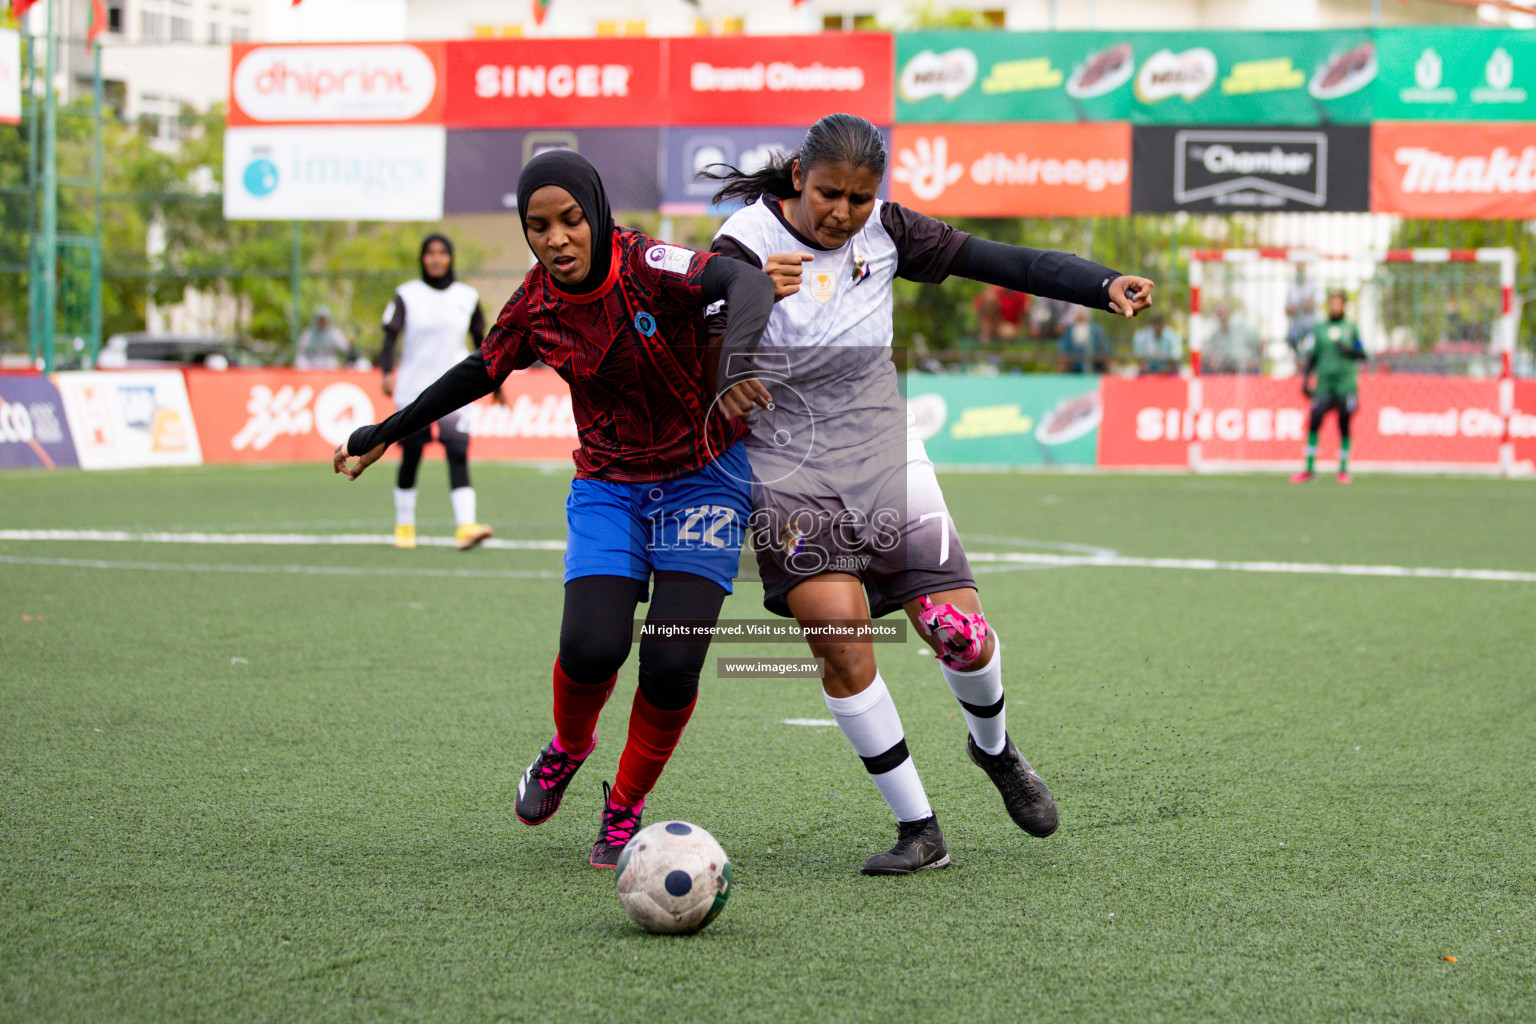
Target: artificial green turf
[{"x": 1284, "y": 797}]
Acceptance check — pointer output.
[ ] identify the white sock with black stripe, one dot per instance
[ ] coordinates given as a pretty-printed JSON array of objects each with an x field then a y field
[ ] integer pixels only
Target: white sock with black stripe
[
  {"x": 870, "y": 722},
  {"x": 980, "y": 693}
]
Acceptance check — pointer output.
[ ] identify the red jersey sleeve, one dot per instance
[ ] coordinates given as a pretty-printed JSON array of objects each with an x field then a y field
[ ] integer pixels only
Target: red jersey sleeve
[
  {"x": 509, "y": 344},
  {"x": 671, "y": 270}
]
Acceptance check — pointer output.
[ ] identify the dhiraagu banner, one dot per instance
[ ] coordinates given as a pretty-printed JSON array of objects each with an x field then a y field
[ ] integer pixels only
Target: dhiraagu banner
[
  {"x": 1018, "y": 420},
  {"x": 1143, "y": 77}
]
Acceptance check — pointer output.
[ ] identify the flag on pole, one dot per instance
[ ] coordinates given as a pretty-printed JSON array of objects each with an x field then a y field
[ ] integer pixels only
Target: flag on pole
[
  {"x": 540, "y": 9},
  {"x": 98, "y": 21}
]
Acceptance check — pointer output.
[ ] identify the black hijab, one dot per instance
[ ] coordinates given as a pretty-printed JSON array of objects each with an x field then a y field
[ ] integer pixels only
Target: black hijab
[
  {"x": 572, "y": 172},
  {"x": 446, "y": 279}
]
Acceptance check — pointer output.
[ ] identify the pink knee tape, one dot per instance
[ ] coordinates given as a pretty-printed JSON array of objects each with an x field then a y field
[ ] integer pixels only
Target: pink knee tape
[{"x": 961, "y": 637}]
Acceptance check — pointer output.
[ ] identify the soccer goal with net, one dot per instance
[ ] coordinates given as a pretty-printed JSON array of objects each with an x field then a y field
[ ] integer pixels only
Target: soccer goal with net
[{"x": 1439, "y": 326}]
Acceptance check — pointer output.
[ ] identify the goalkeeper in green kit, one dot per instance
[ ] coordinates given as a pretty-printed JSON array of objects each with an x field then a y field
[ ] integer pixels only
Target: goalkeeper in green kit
[{"x": 1331, "y": 350}]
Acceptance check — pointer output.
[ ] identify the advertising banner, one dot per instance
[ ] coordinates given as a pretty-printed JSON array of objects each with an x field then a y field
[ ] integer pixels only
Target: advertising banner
[
  {"x": 1456, "y": 74},
  {"x": 336, "y": 83},
  {"x": 687, "y": 151},
  {"x": 131, "y": 419},
  {"x": 1034, "y": 420},
  {"x": 1522, "y": 426},
  {"x": 334, "y": 173},
  {"x": 10, "y": 76},
  {"x": 774, "y": 80},
  {"x": 1251, "y": 168},
  {"x": 556, "y": 83},
  {"x": 1404, "y": 420},
  {"x": 1143, "y": 422},
  {"x": 1144, "y": 77},
  {"x": 33, "y": 428},
  {"x": 301, "y": 416},
  {"x": 483, "y": 165},
  {"x": 1437, "y": 169},
  {"x": 1019, "y": 170}
]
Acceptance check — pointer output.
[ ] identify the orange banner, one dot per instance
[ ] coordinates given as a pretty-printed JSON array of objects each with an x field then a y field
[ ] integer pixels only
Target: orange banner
[
  {"x": 1013, "y": 170},
  {"x": 301, "y": 416},
  {"x": 1478, "y": 171},
  {"x": 1522, "y": 425}
]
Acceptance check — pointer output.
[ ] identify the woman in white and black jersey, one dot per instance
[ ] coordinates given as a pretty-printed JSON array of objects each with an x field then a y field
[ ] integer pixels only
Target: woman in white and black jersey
[
  {"x": 425, "y": 327},
  {"x": 849, "y": 521}
]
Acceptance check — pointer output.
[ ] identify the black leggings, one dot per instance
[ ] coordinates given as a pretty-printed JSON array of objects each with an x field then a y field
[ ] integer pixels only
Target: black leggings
[
  {"x": 455, "y": 443},
  {"x": 596, "y": 629},
  {"x": 1344, "y": 406}
]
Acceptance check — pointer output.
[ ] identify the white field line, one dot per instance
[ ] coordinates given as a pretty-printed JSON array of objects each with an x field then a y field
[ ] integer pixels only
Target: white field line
[
  {"x": 281, "y": 570},
  {"x": 1007, "y": 558},
  {"x": 1213, "y": 565},
  {"x": 283, "y": 539}
]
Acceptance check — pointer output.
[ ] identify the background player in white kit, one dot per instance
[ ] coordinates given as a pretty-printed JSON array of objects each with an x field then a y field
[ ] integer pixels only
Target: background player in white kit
[
  {"x": 833, "y": 454},
  {"x": 425, "y": 327}
]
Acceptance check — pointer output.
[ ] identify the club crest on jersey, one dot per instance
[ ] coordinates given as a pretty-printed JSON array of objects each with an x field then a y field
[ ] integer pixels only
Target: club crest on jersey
[
  {"x": 645, "y": 323},
  {"x": 791, "y": 540},
  {"x": 670, "y": 258},
  {"x": 823, "y": 282},
  {"x": 860, "y": 268}
]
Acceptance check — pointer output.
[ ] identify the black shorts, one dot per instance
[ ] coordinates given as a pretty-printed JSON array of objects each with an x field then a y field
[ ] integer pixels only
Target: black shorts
[
  {"x": 881, "y": 519},
  {"x": 1329, "y": 401}
]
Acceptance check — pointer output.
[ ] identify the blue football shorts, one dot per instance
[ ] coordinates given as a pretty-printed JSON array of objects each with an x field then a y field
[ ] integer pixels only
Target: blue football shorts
[{"x": 694, "y": 523}]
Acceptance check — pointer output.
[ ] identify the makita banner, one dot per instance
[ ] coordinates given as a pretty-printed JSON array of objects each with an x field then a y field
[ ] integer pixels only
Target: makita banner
[
  {"x": 301, "y": 416},
  {"x": 1325, "y": 168},
  {"x": 1454, "y": 171},
  {"x": 1404, "y": 421}
]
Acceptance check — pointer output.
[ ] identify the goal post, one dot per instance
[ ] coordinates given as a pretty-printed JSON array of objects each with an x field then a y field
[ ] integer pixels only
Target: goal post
[{"x": 1440, "y": 328}]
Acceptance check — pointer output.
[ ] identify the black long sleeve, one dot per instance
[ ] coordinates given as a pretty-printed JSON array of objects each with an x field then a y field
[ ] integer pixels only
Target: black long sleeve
[
  {"x": 748, "y": 294},
  {"x": 467, "y": 382},
  {"x": 1043, "y": 272},
  {"x": 477, "y": 325}
]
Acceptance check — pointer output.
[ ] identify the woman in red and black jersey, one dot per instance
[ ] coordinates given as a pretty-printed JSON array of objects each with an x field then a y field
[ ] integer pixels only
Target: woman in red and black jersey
[{"x": 662, "y": 488}]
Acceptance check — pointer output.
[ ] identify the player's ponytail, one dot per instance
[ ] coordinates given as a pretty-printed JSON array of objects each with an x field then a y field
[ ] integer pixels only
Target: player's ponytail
[{"x": 835, "y": 139}]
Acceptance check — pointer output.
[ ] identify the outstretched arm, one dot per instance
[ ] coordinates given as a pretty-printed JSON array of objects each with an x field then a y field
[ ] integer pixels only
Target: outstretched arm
[
  {"x": 466, "y": 382},
  {"x": 749, "y": 295},
  {"x": 1052, "y": 275}
]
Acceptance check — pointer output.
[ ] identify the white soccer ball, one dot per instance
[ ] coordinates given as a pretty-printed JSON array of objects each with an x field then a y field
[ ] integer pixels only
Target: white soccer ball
[{"x": 673, "y": 878}]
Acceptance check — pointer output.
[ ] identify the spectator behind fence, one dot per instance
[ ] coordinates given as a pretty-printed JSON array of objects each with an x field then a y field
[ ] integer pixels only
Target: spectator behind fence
[
  {"x": 1233, "y": 347},
  {"x": 321, "y": 346},
  {"x": 1158, "y": 347},
  {"x": 1049, "y": 317},
  {"x": 1000, "y": 313},
  {"x": 1300, "y": 308},
  {"x": 1083, "y": 346}
]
